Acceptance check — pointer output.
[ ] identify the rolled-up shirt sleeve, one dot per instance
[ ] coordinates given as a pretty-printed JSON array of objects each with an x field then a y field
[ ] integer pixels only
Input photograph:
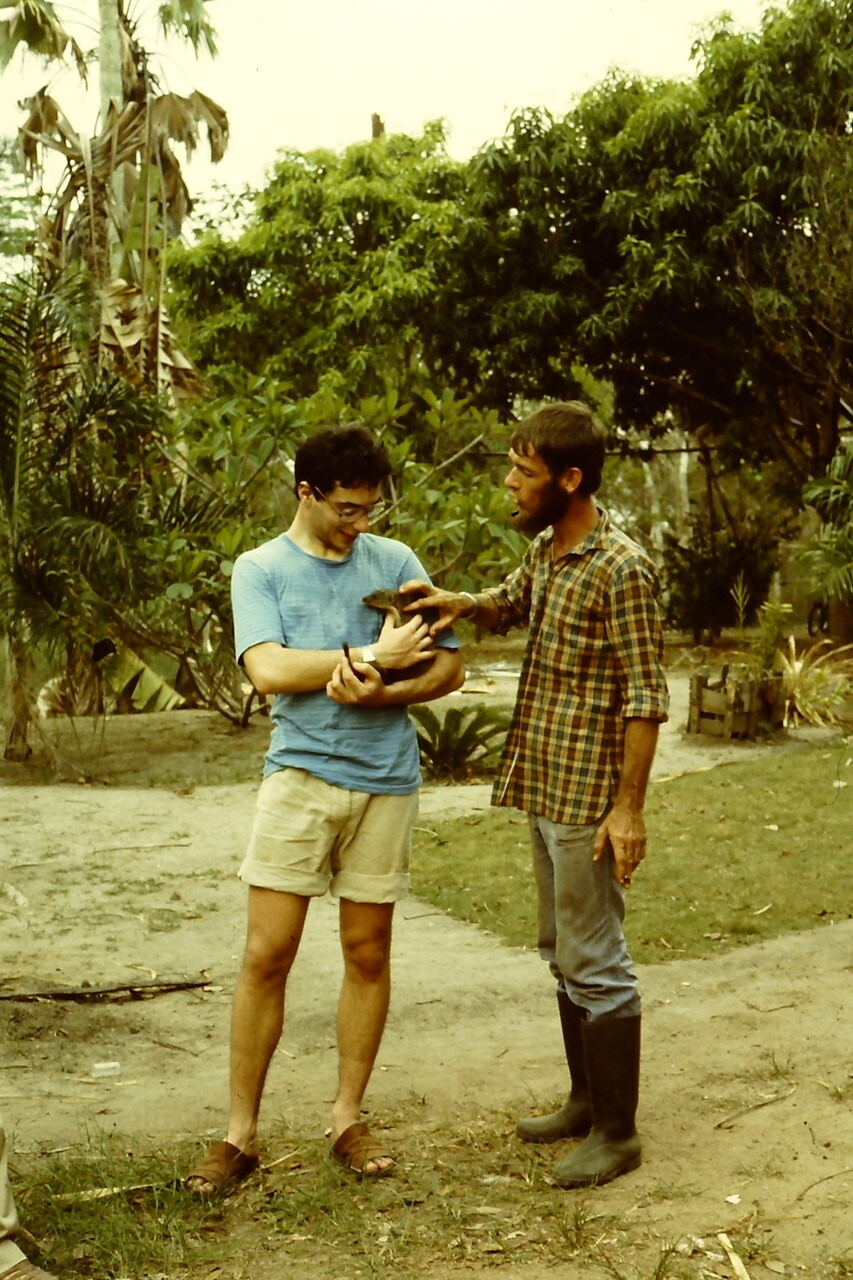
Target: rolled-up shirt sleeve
[
  {"x": 635, "y": 632},
  {"x": 513, "y": 596}
]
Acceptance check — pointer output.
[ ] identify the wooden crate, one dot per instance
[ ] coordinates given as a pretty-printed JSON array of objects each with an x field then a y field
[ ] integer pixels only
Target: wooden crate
[{"x": 727, "y": 707}]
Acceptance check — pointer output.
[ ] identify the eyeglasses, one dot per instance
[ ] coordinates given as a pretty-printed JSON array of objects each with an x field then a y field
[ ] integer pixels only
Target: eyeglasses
[{"x": 349, "y": 512}]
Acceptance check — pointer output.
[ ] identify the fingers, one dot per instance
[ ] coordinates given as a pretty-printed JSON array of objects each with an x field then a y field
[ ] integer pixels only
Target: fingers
[
  {"x": 418, "y": 590},
  {"x": 358, "y": 682},
  {"x": 627, "y": 860},
  {"x": 407, "y": 629},
  {"x": 626, "y": 841}
]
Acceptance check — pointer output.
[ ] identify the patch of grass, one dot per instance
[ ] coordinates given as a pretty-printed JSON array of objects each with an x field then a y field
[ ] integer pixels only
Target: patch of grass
[
  {"x": 462, "y": 1196},
  {"x": 665, "y": 1266},
  {"x": 736, "y": 855},
  {"x": 134, "y": 1234}
]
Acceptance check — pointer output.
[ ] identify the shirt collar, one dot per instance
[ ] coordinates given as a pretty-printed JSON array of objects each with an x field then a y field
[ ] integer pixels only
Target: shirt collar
[{"x": 598, "y": 538}]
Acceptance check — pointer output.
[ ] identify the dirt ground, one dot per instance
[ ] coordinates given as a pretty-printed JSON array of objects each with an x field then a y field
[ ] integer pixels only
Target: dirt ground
[{"x": 745, "y": 1105}]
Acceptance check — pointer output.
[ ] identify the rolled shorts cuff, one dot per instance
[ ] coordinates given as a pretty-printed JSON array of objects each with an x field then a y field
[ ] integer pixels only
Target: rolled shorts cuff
[
  {"x": 355, "y": 887},
  {"x": 260, "y": 875}
]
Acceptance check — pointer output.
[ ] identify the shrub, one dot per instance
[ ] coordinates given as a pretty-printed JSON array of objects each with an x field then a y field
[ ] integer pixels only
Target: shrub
[{"x": 465, "y": 742}]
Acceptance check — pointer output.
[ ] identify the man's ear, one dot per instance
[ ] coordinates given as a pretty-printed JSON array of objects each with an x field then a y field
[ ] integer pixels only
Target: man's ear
[
  {"x": 304, "y": 490},
  {"x": 570, "y": 479}
]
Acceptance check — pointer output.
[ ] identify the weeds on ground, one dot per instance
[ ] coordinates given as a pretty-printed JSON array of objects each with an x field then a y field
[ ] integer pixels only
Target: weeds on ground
[
  {"x": 664, "y": 1268},
  {"x": 736, "y": 855},
  {"x": 462, "y": 1196},
  {"x": 842, "y": 1092},
  {"x": 150, "y": 1228}
]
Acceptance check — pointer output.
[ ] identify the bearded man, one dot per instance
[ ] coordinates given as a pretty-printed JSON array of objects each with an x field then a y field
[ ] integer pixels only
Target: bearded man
[{"x": 577, "y": 759}]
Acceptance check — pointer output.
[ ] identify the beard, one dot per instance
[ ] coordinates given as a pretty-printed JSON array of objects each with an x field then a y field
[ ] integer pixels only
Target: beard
[{"x": 552, "y": 506}]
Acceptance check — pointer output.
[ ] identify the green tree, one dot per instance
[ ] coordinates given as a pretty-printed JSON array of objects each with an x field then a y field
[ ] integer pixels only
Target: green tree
[
  {"x": 336, "y": 278},
  {"x": 660, "y": 234}
]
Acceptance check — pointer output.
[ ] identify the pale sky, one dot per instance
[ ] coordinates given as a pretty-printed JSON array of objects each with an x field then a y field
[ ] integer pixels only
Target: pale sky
[{"x": 308, "y": 75}]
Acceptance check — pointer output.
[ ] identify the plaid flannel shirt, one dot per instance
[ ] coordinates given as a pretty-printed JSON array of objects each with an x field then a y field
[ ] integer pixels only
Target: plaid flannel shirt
[{"x": 593, "y": 660}]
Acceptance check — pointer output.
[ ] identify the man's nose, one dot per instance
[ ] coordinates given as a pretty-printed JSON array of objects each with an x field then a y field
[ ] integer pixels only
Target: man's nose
[
  {"x": 511, "y": 479},
  {"x": 362, "y": 522}
]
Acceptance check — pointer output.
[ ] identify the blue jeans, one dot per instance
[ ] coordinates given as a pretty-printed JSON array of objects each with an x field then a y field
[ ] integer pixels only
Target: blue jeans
[{"x": 581, "y": 910}]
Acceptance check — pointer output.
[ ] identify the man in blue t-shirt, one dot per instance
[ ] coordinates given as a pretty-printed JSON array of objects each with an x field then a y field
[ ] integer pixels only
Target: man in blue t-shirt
[{"x": 339, "y": 799}]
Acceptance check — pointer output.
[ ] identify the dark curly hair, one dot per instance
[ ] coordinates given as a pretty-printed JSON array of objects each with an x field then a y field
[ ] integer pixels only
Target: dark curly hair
[
  {"x": 565, "y": 435},
  {"x": 345, "y": 456}
]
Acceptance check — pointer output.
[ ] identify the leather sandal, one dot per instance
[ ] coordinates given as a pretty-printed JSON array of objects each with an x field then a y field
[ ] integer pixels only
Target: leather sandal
[
  {"x": 356, "y": 1147},
  {"x": 222, "y": 1167}
]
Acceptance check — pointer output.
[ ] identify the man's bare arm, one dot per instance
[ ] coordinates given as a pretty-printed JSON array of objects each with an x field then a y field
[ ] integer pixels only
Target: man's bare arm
[
  {"x": 624, "y": 828},
  {"x": 362, "y": 684},
  {"x": 273, "y": 668},
  {"x": 451, "y": 605}
]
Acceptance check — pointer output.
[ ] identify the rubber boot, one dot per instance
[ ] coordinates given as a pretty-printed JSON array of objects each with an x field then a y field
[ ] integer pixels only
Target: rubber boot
[
  {"x": 612, "y": 1053},
  {"x": 574, "y": 1119}
]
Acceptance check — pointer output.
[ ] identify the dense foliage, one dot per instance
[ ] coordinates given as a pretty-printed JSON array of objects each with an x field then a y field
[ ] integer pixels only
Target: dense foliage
[
  {"x": 336, "y": 278},
  {"x": 689, "y": 242}
]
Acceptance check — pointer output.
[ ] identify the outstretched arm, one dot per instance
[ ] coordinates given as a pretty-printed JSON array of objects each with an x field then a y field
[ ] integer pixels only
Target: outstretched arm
[{"x": 451, "y": 605}]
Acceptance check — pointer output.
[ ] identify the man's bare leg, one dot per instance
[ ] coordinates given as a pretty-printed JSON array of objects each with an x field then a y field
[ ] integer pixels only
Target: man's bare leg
[
  {"x": 276, "y": 921},
  {"x": 365, "y": 930}
]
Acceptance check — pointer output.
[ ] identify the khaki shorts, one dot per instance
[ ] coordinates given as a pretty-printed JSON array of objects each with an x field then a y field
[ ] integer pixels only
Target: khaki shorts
[{"x": 309, "y": 837}]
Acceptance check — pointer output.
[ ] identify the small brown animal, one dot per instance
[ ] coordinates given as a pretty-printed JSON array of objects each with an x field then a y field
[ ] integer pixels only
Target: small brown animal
[{"x": 386, "y": 601}]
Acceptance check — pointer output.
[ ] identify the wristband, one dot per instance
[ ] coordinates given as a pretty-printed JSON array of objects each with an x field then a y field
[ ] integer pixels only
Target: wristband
[
  {"x": 469, "y": 613},
  {"x": 367, "y": 655}
]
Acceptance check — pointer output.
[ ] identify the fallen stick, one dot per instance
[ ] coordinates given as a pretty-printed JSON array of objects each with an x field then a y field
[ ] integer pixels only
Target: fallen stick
[
  {"x": 756, "y": 1106},
  {"x": 839, "y": 1173},
  {"x": 104, "y": 1193},
  {"x": 734, "y": 1261},
  {"x": 181, "y": 1048},
  {"x": 136, "y": 848},
  {"x": 135, "y": 990},
  {"x": 282, "y": 1159}
]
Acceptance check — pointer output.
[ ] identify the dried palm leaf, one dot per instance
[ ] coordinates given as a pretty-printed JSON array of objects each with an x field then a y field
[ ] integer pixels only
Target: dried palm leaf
[{"x": 35, "y": 25}]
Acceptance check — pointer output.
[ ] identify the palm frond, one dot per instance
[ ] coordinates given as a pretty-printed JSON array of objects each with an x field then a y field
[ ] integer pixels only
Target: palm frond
[{"x": 35, "y": 25}]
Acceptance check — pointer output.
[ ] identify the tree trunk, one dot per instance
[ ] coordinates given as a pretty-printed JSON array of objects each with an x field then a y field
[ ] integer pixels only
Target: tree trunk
[
  {"x": 18, "y": 705},
  {"x": 112, "y": 91},
  {"x": 841, "y": 621},
  {"x": 109, "y": 57}
]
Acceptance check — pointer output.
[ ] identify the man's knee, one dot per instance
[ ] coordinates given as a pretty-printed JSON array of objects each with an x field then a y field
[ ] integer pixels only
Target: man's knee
[
  {"x": 367, "y": 955},
  {"x": 266, "y": 962}
]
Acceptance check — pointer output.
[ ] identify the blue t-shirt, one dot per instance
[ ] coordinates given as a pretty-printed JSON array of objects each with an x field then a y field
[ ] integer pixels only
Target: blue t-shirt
[{"x": 283, "y": 595}]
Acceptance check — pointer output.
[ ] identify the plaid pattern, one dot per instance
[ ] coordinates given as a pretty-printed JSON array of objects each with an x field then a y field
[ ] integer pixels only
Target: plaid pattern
[{"x": 593, "y": 660}]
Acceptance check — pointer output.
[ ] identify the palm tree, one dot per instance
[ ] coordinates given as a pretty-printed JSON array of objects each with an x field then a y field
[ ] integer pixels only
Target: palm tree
[
  {"x": 104, "y": 541},
  {"x": 65, "y": 529},
  {"x": 123, "y": 196}
]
